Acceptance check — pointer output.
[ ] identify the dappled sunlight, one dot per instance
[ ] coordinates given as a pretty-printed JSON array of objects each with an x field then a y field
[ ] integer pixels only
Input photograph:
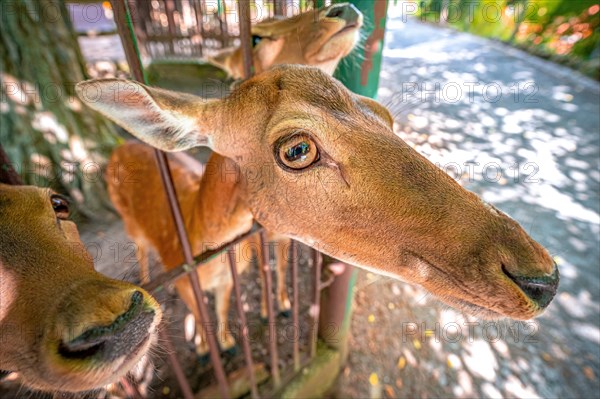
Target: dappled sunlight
[{"x": 527, "y": 142}]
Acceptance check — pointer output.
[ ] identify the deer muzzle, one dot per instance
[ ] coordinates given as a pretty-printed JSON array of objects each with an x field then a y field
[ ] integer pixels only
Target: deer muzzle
[{"x": 123, "y": 337}]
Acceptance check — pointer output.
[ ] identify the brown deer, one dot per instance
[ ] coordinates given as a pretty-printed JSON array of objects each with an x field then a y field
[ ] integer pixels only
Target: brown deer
[
  {"x": 319, "y": 39},
  {"x": 63, "y": 326},
  {"x": 322, "y": 165}
]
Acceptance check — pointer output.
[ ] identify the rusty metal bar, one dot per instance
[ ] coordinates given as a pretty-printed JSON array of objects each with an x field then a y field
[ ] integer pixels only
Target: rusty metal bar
[
  {"x": 123, "y": 21},
  {"x": 174, "y": 274},
  {"x": 225, "y": 25},
  {"x": 295, "y": 303},
  {"x": 215, "y": 358},
  {"x": 245, "y": 36},
  {"x": 268, "y": 280},
  {"x": 130, "y": 387},
  {"x": 199, "y": 23},
  {"x": 243, "y": 322},
  {"x": 316, "y": 305},
  {"x": 176, "y": 367},
  {"x": 169, "y": 10}
]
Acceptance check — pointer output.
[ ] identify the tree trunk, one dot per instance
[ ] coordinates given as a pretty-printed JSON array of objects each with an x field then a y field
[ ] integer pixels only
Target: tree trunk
[{"x": 52, "y": 140}]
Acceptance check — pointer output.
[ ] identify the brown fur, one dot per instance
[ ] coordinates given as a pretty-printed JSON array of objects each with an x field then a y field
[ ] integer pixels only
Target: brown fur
[
  {"x": 217, "y": 213},
  {"x": 371, "y": 200},
  {"x": 50, "y": 293},
  {"x": 311, "y": 38}
]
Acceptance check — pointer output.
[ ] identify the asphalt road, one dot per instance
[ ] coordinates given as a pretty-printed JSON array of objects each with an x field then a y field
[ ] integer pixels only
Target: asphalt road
[{"x": 524, "y": 134}]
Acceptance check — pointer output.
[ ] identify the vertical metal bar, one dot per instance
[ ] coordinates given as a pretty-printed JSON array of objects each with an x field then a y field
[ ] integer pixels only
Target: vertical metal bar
[
  {"x": 266, "y": 270},
  {"x": 245, "y": 36},
  {"x": 295, "y": 303},
  {"x": 199, "y": 23},
  {"x": 123, "y": 21},
  {"x": 165, "y": 341},
  {"x": 169, "y": 9},
  {"x": 244, "y": 324},
  {"x": 130, "y": 388},
  {"x": 166, "y": 178},
  {"x": 316, "y": 305},
  {"x": 225, "y": 25}
]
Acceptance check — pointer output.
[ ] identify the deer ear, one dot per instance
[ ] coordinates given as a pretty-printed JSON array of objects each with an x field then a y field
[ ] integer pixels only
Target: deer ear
[
  {"x": 223, "y": 60},
  {"x": 267, "y": 51},
  {"x": 378, "y": 109},
  {"x": 164, "y": 119}
]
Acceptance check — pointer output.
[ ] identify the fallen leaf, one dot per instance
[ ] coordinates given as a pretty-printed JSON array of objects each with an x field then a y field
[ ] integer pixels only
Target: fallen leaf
[
  {"x": 373, "y": 379},
  {"x": 401, "y": 362},
  {"x": 389, "y": 391},
  {"x": 547, "y": 358},
  {"x": 417, "y": 344},
  {"x": 589, "y": 373}
]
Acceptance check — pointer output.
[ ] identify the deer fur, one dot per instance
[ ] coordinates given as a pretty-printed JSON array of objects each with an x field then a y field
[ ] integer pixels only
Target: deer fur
[
  {"x": 51, "y": 298},
  {"x": 368, "y": 199},
  {"x": 204, "y": 191}
]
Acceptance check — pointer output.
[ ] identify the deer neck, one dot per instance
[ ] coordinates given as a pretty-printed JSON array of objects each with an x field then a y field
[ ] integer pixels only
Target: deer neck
[{"x": 221, "y": 213}]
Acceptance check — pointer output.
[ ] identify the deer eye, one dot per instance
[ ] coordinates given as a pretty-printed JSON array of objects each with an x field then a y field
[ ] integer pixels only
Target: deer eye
[
  {"x": 61, "y": 206},
  {"x": 297, "y": 151},
  {"x": 255, "y": 40}
]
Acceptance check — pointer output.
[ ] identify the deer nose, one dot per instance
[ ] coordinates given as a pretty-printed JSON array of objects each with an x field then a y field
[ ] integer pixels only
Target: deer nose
[
  {"x": 347, "y": 12},
  {"x": 540, "y": 290},
  {"x": 122, "y": 337}
]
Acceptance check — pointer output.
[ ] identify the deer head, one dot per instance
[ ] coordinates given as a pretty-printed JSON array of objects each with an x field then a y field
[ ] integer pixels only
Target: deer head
[
  {"x": 63, "y": 326},
  {"x": 319, "y": 38},
  {"x": 322, "y": 165}
]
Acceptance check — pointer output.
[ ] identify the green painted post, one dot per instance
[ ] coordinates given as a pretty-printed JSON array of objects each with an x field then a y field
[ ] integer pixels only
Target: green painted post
[
  {"x": 360, "y": 70},
  {"x": 360, "y": 73},
  {"x": 319, "y": 3}
]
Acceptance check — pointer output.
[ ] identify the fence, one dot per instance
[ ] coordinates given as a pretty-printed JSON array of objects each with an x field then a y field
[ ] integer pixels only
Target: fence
[
  {"x": 197, "y": 28},
  {"x": 171, "y": 44}
]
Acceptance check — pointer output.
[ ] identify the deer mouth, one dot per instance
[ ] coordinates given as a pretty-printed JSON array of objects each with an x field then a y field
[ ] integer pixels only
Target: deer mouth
[
  {"x": 512, "y": 296},
  {"x": 350, "y": 27},
  {"x": 539, "y": 290}
]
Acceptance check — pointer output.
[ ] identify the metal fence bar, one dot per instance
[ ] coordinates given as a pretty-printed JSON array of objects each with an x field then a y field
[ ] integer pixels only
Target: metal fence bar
[
  {"x": 199, "y": 23},
  {"x": 123, "y": 21},
  {"x": 268, "y": 281},
  {"x": 245, "y": 36},
  {"x": 174, "y": 274},
  {"x": 130, "y": 388},
  {"x": 171, "y": 28},
  {"x": 194, "y": 279},
  {"x": 243, "y": 322},
  {"x": 316, "y": 305},
  {"x": 224, "y": 25},
  {"x": 175, "y": 366},
  {"x": 295, "y": 304}
]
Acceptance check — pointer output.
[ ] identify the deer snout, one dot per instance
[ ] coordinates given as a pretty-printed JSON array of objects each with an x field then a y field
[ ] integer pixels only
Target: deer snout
[
  {"x": 345, "y": 11},
  {"x": 540, "y": 290},
  {"x": 124, "y": 336}
]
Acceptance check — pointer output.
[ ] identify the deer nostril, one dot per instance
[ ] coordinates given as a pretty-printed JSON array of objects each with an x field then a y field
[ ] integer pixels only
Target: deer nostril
[
  {"x": 347, "y": 12},
  {"x": 540, "y": 290},
  {"x": 335, "y": 12},
  {"x": 122, "y": 336}
]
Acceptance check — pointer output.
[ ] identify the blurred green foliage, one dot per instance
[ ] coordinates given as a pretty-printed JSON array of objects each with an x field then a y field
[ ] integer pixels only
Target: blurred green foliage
[{"x": 566, "y": 31}]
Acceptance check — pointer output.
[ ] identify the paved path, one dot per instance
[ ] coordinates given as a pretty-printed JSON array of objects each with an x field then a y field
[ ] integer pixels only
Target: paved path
[{"x": 534, "y": 130}]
